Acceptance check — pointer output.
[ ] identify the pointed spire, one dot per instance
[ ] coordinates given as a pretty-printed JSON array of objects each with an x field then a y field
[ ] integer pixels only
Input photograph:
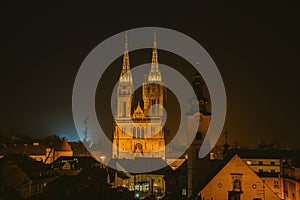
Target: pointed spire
[
  {"x": 154, "y": 74},
  {"x": 226, "y": 146},
  {"x": 154, "y": 64},
  {"x": 126, "y": 65}
]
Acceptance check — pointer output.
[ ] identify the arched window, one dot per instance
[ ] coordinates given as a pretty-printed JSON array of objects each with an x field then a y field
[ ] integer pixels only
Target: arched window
[
  {"x": 134, "y": 132},
  {"x": 153, "y": 107},
  {"x": 124, "y": 109},
  {"x": 143, "y": 133},
  {"x": 138, "y": 133}
]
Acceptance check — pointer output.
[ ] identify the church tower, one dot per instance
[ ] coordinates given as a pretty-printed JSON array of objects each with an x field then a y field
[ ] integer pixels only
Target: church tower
[
  {"x": 125, "y": 87},
  {"x": 153, "y": 90},
  {"x": 139, "y": 134}
]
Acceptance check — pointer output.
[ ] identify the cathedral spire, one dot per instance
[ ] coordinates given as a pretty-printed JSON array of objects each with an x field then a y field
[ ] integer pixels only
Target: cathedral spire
[
  {"x": 154, "y": 74},
  {"x": 126, "y": 77},
  {"x": 154, "y": 54}
]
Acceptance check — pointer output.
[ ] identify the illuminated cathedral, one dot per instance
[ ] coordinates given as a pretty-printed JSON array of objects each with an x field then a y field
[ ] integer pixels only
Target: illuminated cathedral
[{"x": 134, "y": 135}]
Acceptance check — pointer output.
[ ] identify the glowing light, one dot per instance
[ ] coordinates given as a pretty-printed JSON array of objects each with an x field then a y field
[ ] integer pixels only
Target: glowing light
[
  {"x": 137, "y": 195},
  {"x": 102, "y": 158}
]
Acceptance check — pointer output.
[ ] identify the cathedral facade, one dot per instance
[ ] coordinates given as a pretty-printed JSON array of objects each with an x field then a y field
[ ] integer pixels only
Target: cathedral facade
[{"x": 139, "y": 131}]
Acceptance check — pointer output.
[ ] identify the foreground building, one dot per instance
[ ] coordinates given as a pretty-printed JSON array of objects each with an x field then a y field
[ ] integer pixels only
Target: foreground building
[
  {"x": 24, "y": 176},
  {"x": 235, "y": 180},
  {"x": 252, "y": 173}
]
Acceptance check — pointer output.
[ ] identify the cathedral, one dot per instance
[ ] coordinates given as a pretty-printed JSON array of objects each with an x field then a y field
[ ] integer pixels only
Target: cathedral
[{"x": 139, "y": 131}]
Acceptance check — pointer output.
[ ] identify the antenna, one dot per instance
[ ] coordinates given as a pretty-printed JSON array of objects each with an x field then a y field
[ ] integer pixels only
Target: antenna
[{"x": 86, "y": 128}]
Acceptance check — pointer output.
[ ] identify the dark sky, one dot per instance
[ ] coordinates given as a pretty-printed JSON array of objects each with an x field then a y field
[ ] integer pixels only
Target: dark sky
[{"x": 255, "y": 46}]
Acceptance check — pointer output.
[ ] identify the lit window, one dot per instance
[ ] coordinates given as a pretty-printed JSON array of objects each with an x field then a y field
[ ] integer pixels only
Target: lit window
[
  {"x": 276, "y": 185},
  {"x": 211, "y": 156},
  {"x": 237, "y": 185},
  {"x": 183, "y": 193}
]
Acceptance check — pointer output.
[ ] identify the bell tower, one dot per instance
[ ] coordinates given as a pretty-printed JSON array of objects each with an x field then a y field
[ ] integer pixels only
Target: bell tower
[
  {"x": 125, "y": 87},
  {"x": 139, "y": 133},
  {"x": 153, "y": 90}
]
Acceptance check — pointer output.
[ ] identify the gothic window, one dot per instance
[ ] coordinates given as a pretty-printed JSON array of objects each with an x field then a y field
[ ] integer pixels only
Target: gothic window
[
  {"x": 153, "y": 107},
  {"x": 134, "y": 132},
  {"x": 152, "y": 130},
  {"x": 143, "y": 133},
  {"x": 124, "y": 109},
  {"x": 138, "y": 133},
  {"x": 138, "y": 148}
]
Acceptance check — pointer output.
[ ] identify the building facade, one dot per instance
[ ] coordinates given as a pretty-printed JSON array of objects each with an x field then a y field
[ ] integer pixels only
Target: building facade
[
  {"x": 235, "y": 181},
  {"x": 134, "y": 135}
]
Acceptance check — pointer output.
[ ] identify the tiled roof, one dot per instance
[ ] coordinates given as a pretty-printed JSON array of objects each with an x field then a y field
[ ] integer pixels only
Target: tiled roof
[
  {"x": 33, "y": 169},
  {"x": 63, "y": 146},
  {"x": 23, "y": 149},
  {"x": 266, "y": 153},
  {"x": 209, "y": 169},
  {"x": 81, "y": 161},
  {"x": 141, "y": 164}
]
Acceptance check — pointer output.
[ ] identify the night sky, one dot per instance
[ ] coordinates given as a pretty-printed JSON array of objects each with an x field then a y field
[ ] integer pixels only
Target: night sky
[{"x": 255, "y": 46}]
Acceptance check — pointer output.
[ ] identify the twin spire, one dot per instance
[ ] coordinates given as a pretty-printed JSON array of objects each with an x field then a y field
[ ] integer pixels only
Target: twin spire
[
  {"x": 125, "y": 73},
  {"x": 154, "y": 74}
]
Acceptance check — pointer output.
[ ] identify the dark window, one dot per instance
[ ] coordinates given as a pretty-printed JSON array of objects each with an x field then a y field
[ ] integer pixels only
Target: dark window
[
  {"x": 260, "y": 162},
  {"x": 124, "y": 109},
  {"x": 237, "y": 185},
  {"x": 272, "y": 163},
  {"x": 261, "y": 170},
  {"x": 143, "y": 133},
  {"x": 138, "y": 133},
  {"x": 199, "y": 136},
  {"x": 134, "y": 132}
]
